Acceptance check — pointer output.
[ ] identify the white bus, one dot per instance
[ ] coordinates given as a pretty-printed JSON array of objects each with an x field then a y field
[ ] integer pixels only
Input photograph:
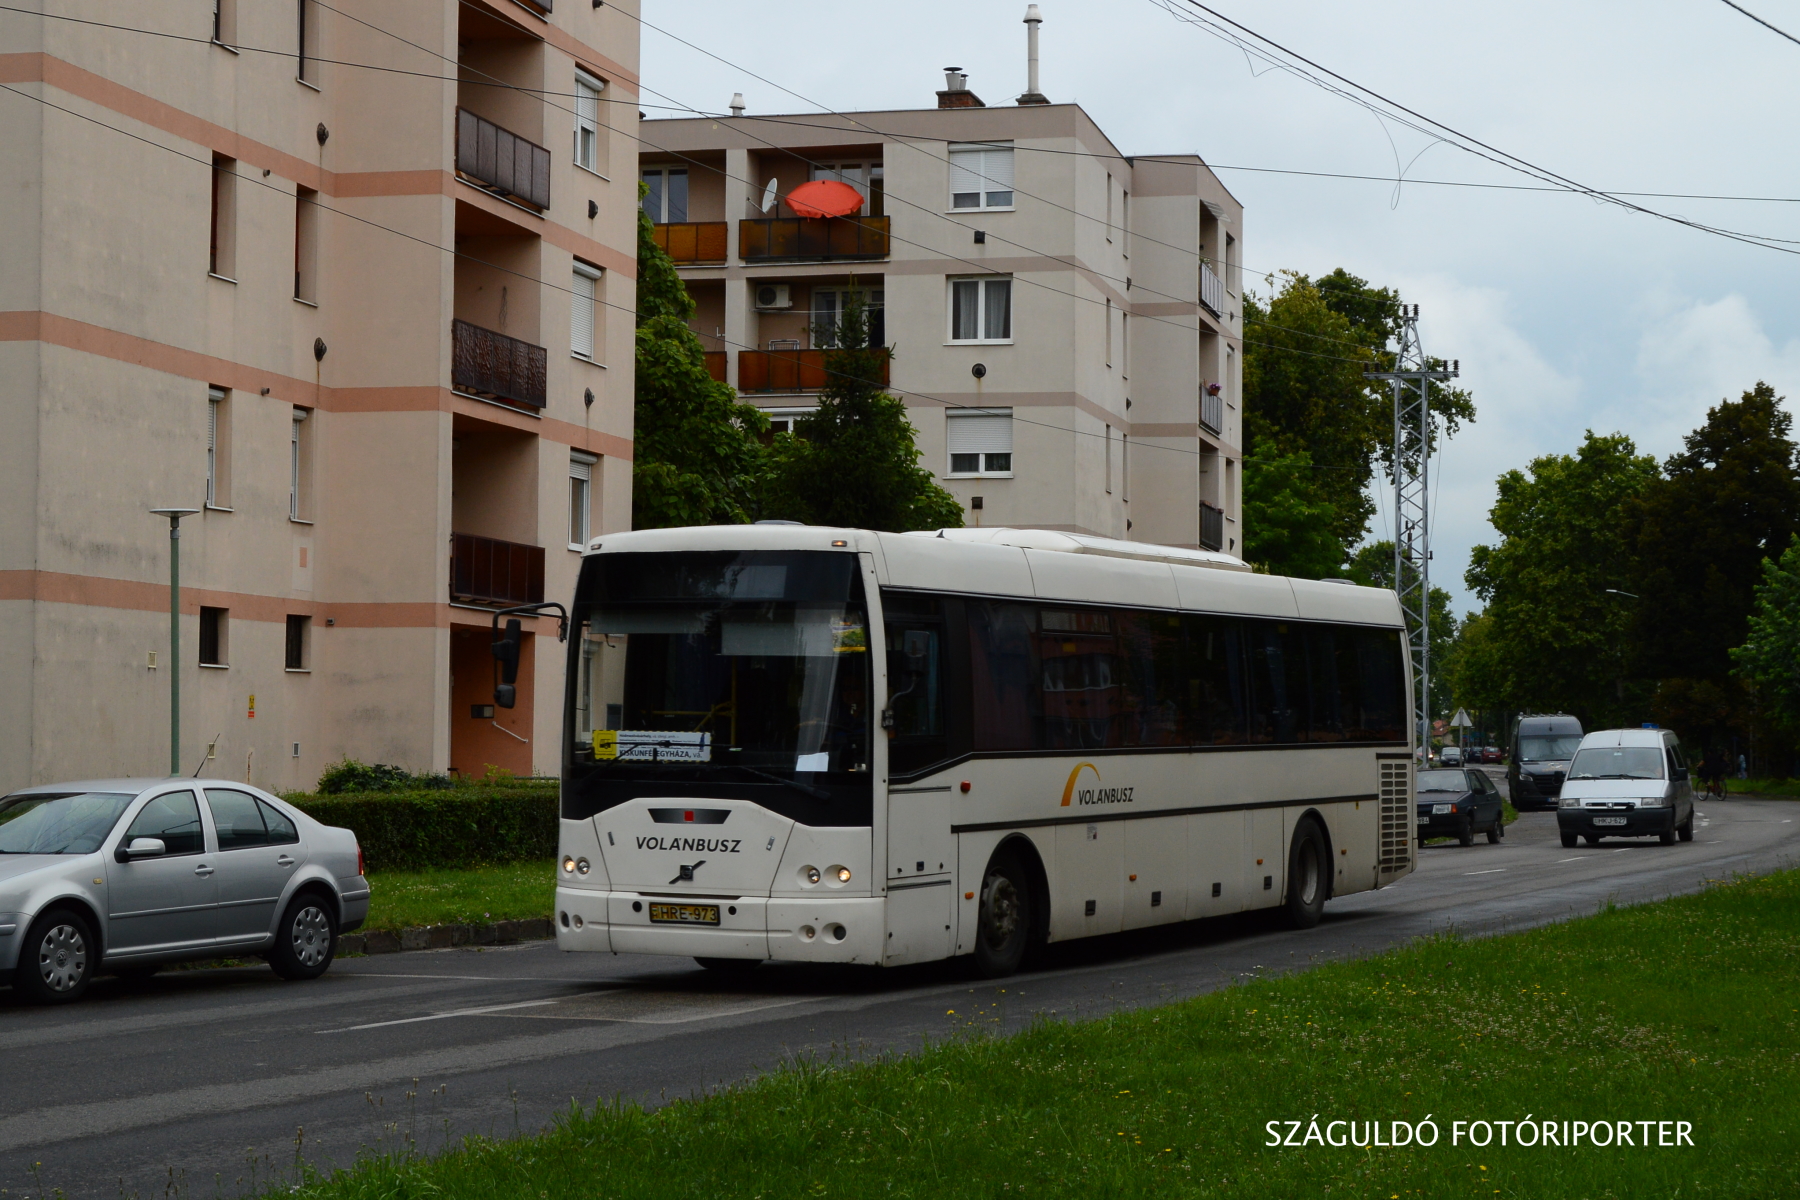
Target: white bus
[{"x": 830, "y": 745}]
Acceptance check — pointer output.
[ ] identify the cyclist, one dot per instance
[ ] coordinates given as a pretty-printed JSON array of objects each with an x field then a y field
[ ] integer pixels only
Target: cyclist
[{"x": 1712, "y": 774}]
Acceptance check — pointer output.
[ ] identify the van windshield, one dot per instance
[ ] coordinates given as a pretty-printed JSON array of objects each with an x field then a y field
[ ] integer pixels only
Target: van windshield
[
  {"x": 1547, "y": 747},
  {"x": 1618, "y": 762}
]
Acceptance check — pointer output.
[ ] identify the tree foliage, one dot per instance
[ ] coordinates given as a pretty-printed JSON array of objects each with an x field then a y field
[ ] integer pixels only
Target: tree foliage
[
  {"x": 853, "y": 461},
  {"x": 1292, "y": 529},
  {"x": 1373, "y": 566},
  {"x": 698, "y": 460},
  {"x": 1553, "y": 637},
  {"x": 1769, "y": 659}
]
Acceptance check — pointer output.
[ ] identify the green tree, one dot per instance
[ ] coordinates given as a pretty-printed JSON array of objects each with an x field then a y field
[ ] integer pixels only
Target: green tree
[
  {"x": 1373, "y": 566},
  {"x": 1554, "y": 638},
  {"x": 1729, "y": 501},
  {"x": 698, "y": 460},
  {"x": 853, "y": 461},
  {"x": 1769, "y": 659},
  {"x": 1292, "y": 530}
]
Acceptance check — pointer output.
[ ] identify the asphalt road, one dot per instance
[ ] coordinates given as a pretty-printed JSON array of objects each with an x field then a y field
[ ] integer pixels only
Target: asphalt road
[{"x": 204, "y": 1079}]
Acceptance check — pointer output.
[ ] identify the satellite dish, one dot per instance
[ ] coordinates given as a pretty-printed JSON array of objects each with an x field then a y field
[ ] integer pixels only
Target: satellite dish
[{"x": 768, "y": 197}]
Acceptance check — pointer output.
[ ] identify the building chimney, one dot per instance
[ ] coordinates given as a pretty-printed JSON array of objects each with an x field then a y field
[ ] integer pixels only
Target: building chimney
[
  {"x": 1033, "y": 19},
  {"x": 737, "y": 104},
  {"x": 956, "y": 93}
]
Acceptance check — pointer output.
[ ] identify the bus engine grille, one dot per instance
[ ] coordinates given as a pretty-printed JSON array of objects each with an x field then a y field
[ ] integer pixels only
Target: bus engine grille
[{"x": 1397, "y": 821}]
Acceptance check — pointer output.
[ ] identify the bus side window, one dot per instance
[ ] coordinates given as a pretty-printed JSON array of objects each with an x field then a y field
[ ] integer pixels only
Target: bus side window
[
  {"x": 916, "y": 692},
  {"x": 1381, "y": 666},
  {"x": 1003, "y": 675},
  {"x": 1329, "y": 702},
  {"x": 1278, "y": 684},
  {"x": 1215, "y": 681}
]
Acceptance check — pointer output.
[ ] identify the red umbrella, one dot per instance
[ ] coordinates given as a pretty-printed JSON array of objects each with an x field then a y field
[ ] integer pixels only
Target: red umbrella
[{"x": 825, "y": 198}]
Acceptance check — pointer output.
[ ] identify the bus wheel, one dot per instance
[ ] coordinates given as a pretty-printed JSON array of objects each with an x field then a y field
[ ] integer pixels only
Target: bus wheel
[
  {"x": 1306, "y": 876},
  {"x": 1003, "y": 925}
]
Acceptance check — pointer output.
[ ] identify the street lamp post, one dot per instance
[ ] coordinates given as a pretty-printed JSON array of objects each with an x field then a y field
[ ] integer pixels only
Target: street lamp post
[{"x": 174, "y": 515}]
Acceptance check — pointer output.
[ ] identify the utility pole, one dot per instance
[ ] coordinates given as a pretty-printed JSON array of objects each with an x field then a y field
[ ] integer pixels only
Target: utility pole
[
  {"x": 1412, "y": 378},
  {"x": 174, "y": 515}
]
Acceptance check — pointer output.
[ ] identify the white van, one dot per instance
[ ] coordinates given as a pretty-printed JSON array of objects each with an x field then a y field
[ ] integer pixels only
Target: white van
[{"x": 1627, "y": 783}]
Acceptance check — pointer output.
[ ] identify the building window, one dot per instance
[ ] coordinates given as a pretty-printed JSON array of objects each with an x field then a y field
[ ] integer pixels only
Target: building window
[
  {"x": 218, "y": 448},
  {"x": 222, "y": 260},
  {"x": 1109, "y": 324},
  {"x": 667, "y": 199},
  {"x": 785, "y": 420},
  {"x": 307, "y": 43},
  {"x": 299, "y": 643},
  {"x": 581, "y": 491},
  {"x": 981, "y": 309},
  {"x": 828, "y": 309},
  {"x": 584, "y": 307},
  {"x": 981, "y": 176},
  {"x": 300, "y": 455},
  {"x": 1109, "y": 215},
  {"x": 587, "y": 121},
  {"x": 867, "y": 178},
  {"x": 1108, "y": 444},
  {"x": 980, "y": 441},
  {"x": 224, "y": 22},
  {"x": 214, "y": 637},
  {"x": 306, "y": 245}
]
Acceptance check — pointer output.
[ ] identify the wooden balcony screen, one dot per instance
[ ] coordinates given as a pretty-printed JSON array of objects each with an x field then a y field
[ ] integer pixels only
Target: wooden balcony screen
[
  {"x": 490, "y": 571},
  {"x": 787, "y": 370},
  {"x": 716, "y": 362},
  {"x": 690, "y": 242},
  {"x": 804, "y": 238},
  {"x": 496, "y": 366},
  {"x": 500, "y": 159}
]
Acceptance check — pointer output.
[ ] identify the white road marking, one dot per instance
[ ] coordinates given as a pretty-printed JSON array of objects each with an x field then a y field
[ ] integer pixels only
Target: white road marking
[
  {"x": 1577, "y": 858},
  {"x": 461, "y": 1012},
  {"x": 1489, "y": 871}
]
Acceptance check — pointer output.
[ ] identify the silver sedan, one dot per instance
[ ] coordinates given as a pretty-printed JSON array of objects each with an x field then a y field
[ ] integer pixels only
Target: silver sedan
[{"x": 124, "y": 875}]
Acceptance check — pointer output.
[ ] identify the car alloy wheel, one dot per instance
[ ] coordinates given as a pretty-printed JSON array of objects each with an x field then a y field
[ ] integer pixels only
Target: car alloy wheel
[
  {"x": 62, "y": 956},
  {"x": 310, "y": 935}
]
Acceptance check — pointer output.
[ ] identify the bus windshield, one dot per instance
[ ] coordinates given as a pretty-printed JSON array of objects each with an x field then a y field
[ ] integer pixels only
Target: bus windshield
[{"x": 749, "y": 667}]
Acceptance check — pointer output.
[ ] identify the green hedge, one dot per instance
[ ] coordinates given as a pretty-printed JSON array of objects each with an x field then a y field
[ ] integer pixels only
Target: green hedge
[{"x": 451, "y": 827}]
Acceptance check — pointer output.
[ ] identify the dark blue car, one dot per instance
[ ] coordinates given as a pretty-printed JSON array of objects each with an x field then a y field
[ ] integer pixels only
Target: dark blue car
[{"x": 1459, "y": 803}]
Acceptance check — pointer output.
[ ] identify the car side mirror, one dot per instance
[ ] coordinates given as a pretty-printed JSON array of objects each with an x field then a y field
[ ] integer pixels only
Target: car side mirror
[{"x": 143, "y": 847}]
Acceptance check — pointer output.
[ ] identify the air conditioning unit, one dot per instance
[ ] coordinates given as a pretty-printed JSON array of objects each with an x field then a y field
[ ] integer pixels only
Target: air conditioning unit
[{"x": 773, "y": 295}]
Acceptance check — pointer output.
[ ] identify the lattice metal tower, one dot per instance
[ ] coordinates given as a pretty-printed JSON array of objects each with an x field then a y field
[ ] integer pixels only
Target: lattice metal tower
[{"x": 1412, "y": 377}]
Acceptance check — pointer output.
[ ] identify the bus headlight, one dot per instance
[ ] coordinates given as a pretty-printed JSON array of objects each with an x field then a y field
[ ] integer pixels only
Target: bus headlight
[
  {"x": 582, "y": 866},
  {"x": 843, "y": 874},
  {"x": 568, "y": 864},
  {"x": 810, "y": 875}
]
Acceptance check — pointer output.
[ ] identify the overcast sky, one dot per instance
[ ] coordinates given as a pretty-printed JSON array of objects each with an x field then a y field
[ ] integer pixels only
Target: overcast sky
[{"x": 1566, "y": 313}]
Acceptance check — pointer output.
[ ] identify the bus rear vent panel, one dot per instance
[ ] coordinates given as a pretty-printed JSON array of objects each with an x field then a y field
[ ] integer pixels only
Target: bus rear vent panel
[{"x": 1397, "y": 823}]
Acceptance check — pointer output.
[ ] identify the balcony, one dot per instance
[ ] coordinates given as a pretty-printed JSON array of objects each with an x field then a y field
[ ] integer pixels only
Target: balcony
[
  {"x": 501, "y": 161},
  {"x": 496, "y": 367},
  {"x": 716, "y": 362},
  {"x": 787, "y": 370},
  {"x": 689, "y": 243},
  {"x": 1212, "y": 290},
  {"x": 1212, "y": 527},
  {"x": 490, "y": 571},
  {"x": 1212, "y": 412},
  {"x": 800, "y": 239}
]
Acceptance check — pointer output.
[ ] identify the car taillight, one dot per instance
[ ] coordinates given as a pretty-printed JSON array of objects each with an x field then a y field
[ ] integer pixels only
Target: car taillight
[{"x": 359, "y": 862}]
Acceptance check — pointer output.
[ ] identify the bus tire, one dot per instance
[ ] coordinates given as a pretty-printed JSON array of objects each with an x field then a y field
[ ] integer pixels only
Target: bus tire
[
  {"x": 1307, "y": 879},
  {"x": 1004, "y": 921}
]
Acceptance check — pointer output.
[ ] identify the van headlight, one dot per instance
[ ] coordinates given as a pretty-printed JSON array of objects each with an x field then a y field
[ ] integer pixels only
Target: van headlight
[
  {"x": 1568, "y": 802},
  {"x": 1654, "y": 802}
]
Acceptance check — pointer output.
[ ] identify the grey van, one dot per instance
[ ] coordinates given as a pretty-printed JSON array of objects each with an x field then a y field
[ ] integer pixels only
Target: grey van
[{"x": 1542, "y": 745}]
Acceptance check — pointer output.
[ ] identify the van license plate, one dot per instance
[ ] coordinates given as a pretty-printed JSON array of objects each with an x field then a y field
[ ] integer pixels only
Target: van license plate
[
  {"x": 1609, "y": 820},
  {"x": 685, "y": 914}
]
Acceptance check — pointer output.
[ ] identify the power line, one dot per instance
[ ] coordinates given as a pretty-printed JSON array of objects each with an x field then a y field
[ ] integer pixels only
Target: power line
[{"x": 1790, "y": 37}]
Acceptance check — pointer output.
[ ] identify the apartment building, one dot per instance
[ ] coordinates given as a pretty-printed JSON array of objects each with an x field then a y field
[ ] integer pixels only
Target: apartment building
[
  {"x": 1065, "y": 317},
  {"x": 352, "y": 281}
]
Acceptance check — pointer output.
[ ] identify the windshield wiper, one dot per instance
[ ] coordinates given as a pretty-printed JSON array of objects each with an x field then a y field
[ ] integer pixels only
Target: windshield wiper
[{"x": 804, "y": 788}]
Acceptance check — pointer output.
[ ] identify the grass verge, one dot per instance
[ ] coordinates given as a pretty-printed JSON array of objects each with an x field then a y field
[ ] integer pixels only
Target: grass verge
[
  {"x": 1774, "y": 788},
  {"x": 1679, "y": 1011},
  {"x": 474, "y": 896}
]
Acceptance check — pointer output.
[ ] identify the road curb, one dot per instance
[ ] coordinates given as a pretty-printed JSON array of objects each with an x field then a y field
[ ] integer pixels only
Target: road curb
[{"x": 445, "y": 937}]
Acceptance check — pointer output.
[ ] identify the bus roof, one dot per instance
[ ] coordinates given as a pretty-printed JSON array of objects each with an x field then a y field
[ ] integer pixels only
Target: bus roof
[{"x": 1045, "y": 565}]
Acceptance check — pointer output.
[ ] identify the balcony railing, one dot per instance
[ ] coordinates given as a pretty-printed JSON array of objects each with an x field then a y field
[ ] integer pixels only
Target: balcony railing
[
  {"x": 497, "y": 367},
  {"x": 1212, "y": 412},
  {"x": 787, "y": 370},
  {"x": 691, "y": 242},
  {"x": 1212, "y": 527},
  {"x": 501, "y": 160},
  {"x": 837, "y": 238},
  {"x": 1212, "y": 290},
  {"x": 716, "y": 364},
  {"x": 489, "y": 571}
]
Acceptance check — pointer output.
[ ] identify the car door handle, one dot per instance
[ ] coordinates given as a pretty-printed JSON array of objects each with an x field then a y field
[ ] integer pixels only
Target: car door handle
[
  {"x": 284, "y": 861},
  {"x": 203, "y": 870}
]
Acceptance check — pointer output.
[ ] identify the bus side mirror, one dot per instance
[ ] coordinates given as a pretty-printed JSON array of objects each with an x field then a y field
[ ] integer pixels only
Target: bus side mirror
[{"x": 506, "y": 652}]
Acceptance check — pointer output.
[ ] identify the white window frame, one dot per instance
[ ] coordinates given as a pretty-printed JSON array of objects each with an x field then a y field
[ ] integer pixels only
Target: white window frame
[
  {"x": 790, "y": 415},
  {"x": 581, "y": 498},
  {"x": 988, "y": 469},
  {"x": 584, "y": 290},
  {"x": 215, "y": 407},
  {"x": 589, "y": 94},
  {"x": 662, "y": 218},
  {"x": 981, "y": 312},
  {"x": 985, "y": 171}
]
